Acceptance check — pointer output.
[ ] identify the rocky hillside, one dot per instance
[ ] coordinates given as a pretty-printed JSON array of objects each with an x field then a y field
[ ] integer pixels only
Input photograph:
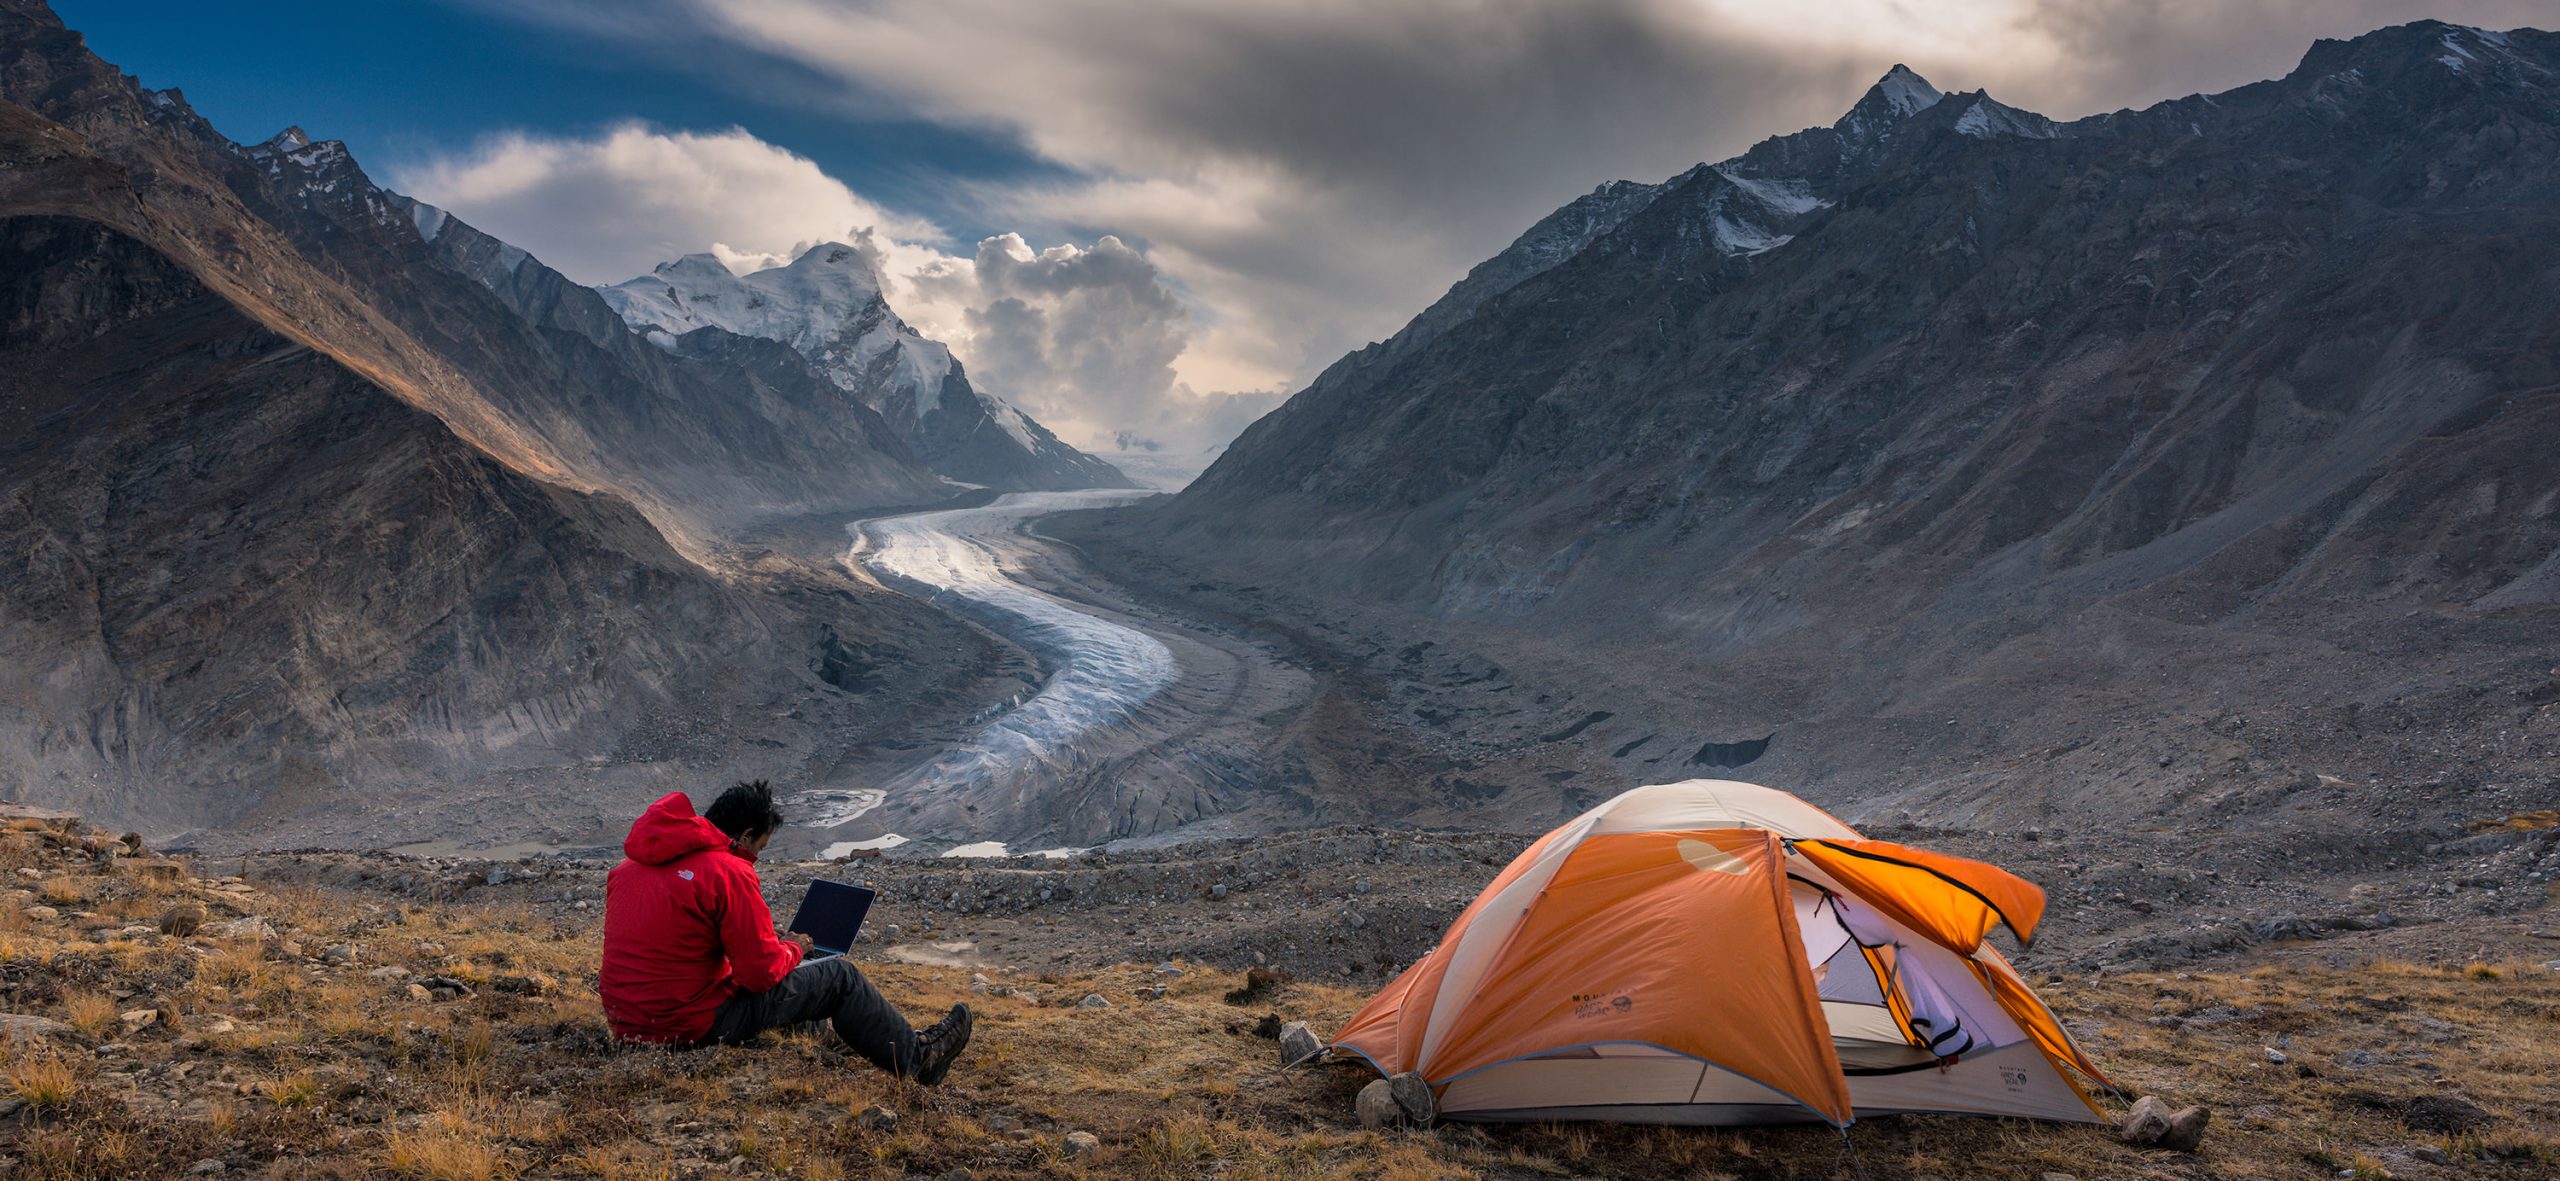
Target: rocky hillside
[
  {"x": 333, "y": 1015},
  {"x": 1995, "y": 468},
  {"x": 827, "y": 306},
  {"x": 299, "y": 519}
]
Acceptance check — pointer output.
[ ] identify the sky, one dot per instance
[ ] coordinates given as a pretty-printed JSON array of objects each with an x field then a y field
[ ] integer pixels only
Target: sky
[{"x": 1145, "y": 221}]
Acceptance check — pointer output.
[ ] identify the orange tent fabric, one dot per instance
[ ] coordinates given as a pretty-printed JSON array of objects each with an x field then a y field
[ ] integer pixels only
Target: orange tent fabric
[
  {"x": 1564, "y": 979},
  {"x": 1953, "y": 900},
  {"x": 1645, "y": 962}
]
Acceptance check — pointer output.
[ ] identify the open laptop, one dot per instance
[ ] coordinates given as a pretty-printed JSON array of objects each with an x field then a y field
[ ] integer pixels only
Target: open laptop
[{"x": 830, "y": 914}]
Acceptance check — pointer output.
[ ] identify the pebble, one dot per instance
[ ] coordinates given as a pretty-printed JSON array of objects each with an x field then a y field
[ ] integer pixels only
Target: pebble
[{"x": 206, "y": 1167}]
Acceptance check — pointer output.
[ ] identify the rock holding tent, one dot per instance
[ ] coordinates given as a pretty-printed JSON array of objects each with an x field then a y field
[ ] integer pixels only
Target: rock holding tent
[{"x": 1711, "y": 952}]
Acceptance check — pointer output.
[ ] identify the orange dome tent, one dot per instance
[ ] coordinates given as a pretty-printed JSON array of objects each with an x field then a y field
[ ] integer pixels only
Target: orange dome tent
[{"x": 1711, "y": 952}]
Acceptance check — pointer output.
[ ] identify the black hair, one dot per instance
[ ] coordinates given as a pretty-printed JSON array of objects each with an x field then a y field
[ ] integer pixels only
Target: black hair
[{"x": 745, "y": 812}]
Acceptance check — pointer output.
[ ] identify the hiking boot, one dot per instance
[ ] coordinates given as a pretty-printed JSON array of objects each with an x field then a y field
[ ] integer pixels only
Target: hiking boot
[{"x": 939, "y": 1045}]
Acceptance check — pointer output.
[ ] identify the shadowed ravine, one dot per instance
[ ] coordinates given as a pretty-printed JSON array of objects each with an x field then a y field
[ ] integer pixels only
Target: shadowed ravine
[{"x": 1088, "y": 756}]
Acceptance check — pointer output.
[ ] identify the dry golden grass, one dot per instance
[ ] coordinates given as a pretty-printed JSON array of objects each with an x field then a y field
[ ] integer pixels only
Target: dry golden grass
[
  {"x": 92, "y": 1013},
  {"x": 449, "y": 1145},
  {"x": 40, "y": 1079},
  {"x": 62, "y": 890}
]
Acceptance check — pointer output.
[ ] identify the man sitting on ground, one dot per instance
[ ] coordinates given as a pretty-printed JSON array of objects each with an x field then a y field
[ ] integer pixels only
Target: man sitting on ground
[{"x": 691, "y": 958}]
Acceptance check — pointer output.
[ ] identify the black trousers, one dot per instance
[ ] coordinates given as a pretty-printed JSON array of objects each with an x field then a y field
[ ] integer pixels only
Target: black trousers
[{"x": 831, "y": 990}]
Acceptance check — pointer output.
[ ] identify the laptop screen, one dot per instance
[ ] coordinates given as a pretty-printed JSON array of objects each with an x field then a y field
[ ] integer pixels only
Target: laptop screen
[{"x": 830, "y": 914}]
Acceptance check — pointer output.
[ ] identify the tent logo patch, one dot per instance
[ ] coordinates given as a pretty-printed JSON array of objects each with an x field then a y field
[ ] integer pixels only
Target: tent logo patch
[{"x": 1587, "y": 1005}]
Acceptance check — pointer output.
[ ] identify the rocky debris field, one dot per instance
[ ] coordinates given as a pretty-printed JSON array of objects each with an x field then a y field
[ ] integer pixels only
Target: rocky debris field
[
  {"x": 1354, "y": 905},
  {"x": 343, "y": 1015}
]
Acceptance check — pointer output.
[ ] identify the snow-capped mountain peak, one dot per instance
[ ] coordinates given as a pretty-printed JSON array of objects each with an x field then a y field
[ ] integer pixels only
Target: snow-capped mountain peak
[
  {"x": 827, "y": 305},
  {"x": 1906, "y": 92}
]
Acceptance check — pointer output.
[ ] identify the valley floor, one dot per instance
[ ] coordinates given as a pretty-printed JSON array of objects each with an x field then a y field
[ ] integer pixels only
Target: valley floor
[{"x": 338, "y": 1015}]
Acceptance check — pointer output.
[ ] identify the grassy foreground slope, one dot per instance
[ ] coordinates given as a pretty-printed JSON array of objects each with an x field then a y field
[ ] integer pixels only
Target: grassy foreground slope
[{"x": 172, "y": 1019}]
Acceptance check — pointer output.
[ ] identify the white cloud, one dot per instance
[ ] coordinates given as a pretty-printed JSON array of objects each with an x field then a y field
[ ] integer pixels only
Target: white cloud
[
  {"x": 606, "y": 208},
  {"x": 1082, "y": 337}
]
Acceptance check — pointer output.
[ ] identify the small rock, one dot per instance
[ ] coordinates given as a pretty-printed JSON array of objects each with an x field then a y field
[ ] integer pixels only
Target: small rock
[
  {"x": 497, "y": 876},
  {"x": 16, "y": 1027},
  {"x": 1082, "y": 1144},
  {"x": 1002, "y": 1124},
  {"x": 136, "y": 1020},
  {"x": 525, "y": 983},
  {"x": 876, "y": 1118},
  {"x": 206, "y": 1167},
  {"x": 1167, "y": 968},
  {"x": 1153, "y": 993},
  {"x": 43, "y": 914},
  {"x": 419, "y": 993},
  {"x": 184, "y": 919},
  {"x": 2277, "y": 1056},
  {"x": 1218, "y": 891},
  {"x": 889, "y": 933},
  {"x": 1298, "y": 1043},
  {"x": 2146, "y": 1123},
  {"x": 1414, "y": 1096},
  {"x": 338, "y": 953},
  {"x": 1377, "y": 1106},
  {"x": 394, "y": 972},
  {"x": 1093, "y": 1000},
  {"x": 2186, "y": 1129},
  {"x": 2431, "y": 1154},
  {"x": 251, "y": 927}
]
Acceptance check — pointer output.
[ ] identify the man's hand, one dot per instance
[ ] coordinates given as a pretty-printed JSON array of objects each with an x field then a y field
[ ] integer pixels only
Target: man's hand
[{"x": 796, "y": 939}]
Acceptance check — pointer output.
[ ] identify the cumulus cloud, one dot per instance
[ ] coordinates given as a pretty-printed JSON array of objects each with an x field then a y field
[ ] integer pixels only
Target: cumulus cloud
[
  {"x": 1082, "y": 337},
  {"x": 605, "y": 208}
]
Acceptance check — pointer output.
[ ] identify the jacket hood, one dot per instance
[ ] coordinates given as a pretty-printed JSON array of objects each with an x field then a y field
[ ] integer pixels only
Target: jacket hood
[{"x": 669, "y": 830}]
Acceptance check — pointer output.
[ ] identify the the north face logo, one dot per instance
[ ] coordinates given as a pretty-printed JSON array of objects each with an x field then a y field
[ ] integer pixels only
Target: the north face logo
[{"x": 686, "y": 874}]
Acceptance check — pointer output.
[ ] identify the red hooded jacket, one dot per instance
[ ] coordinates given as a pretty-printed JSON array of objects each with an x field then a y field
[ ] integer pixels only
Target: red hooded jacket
[{"x": 685, "y": 928}]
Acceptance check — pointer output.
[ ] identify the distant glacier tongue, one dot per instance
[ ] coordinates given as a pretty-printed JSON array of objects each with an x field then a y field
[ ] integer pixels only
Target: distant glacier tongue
[{"x": 1105, "y": 671}]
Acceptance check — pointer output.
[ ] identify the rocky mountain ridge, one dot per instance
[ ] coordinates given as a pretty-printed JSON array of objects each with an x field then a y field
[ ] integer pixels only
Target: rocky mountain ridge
[
  {"x": 302, "y": 519},
  {"x": 1993, "y": 469},
  {"x": 827, "y": 305}
]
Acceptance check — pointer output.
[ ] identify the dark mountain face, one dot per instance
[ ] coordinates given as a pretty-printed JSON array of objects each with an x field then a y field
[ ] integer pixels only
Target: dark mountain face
[
  {"x": 301, "y": 518},
  {"x": 1950, "y": 411}
]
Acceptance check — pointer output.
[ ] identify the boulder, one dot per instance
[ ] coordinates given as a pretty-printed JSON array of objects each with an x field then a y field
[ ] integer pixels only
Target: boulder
[
  {"x": 1298, "y": 1043},
  {"x": 1377, "y": 1106},
  {"x": 2186, "y": 1129},
  {"x": 184, "y": 919},
  {"x": 2146, "y": 1123},
  {"x": 1093, "y": 1000},
  {"x": 1414, "y": 1096}
]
